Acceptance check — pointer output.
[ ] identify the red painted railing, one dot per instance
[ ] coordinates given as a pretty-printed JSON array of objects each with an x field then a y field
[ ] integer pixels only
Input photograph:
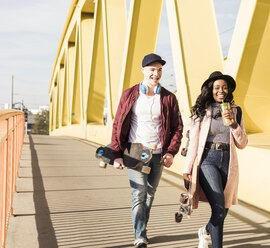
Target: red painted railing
[{"x": 11, "y": 140}]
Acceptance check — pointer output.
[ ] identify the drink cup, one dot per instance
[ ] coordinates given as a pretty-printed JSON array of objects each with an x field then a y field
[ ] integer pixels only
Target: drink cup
[{"x": 224, "y": 107}]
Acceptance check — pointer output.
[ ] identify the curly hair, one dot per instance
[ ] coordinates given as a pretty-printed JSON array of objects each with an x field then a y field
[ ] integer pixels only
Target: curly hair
[{"x": 205, "y": 99}]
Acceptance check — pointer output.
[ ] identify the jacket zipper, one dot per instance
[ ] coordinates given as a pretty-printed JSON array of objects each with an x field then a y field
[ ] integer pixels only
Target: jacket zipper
[{"x": 163, "y": 122}]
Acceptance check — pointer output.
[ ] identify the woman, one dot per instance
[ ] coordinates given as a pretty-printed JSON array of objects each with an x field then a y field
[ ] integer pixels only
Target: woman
[{"x": 214, "y": 144}]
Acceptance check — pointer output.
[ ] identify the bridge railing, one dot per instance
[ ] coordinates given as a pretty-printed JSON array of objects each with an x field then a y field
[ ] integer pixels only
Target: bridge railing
[{"x": 11, "y": 140}]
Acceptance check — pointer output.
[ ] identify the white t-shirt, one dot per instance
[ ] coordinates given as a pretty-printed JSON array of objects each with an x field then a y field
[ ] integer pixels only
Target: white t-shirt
[{"x": 146, "y": 121}]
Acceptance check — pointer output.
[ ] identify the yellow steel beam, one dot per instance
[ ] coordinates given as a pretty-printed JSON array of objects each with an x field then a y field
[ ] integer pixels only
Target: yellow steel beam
[
  {"x": 70, "y": 75},
  {"x": 97, "y": 83},
  {"x": 55, "y": 104},
  {"x": 76, "y": 97},
  {"x": 86, "y": 33},
  {"x": 67, "y": 44},
  {"x": 142, "y": 32},
  {"x": 51, "y": 113},
  {"x": 65, "y": 95},
  {"x": 114, "y": 27},
  {"x": 61, "y": 43},
  {"x": 248, "y": 60},
  {"x": 196, "y": 47},
  {"x": 61, "y": 92}
]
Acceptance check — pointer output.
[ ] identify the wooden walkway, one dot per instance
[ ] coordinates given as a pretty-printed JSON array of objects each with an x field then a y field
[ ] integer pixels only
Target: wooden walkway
[{"x": 64, "y": 199}]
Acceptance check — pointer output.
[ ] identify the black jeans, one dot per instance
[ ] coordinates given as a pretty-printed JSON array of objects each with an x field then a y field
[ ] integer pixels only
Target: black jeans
[{"x": 213, "y": 176}]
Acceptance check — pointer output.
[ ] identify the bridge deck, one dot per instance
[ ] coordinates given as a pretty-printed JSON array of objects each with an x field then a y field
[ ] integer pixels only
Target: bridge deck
[{"x": 64, "y": 199}]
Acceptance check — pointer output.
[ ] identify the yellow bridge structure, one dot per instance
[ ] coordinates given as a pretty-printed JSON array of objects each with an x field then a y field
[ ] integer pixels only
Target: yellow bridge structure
[{"x": 100, "y": 55}]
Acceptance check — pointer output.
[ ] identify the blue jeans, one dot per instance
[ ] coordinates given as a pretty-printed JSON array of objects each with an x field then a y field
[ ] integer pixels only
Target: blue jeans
[
  {"x": 143, "y": 187},
  {"x": 213, "y": 176}
]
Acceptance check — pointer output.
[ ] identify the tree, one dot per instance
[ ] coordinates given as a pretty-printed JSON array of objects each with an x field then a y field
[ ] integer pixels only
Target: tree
[{"x": 41, "y": 125}]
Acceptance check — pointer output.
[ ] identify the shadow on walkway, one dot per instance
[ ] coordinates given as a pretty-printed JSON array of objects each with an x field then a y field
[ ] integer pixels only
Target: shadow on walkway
[{"x": 42, "y": 216}]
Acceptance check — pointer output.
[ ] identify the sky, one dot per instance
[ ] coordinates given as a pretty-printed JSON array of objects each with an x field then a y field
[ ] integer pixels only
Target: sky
[{"x": 30, "y": 33}]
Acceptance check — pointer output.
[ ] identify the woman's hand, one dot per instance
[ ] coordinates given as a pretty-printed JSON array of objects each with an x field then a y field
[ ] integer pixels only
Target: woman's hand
[
  {"x": 118, "y": 163},
  {"x": 187, "y": 178},
  {"x": 167, "y": 160},
  {"x": 229, "y": 114}
]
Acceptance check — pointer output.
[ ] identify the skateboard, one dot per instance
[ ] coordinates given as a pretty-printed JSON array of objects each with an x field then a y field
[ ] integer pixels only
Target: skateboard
[
  {"x": 184, "y": 150},
  {"x": 135, "y": 155},
  {"x": 187, "y": 199}
]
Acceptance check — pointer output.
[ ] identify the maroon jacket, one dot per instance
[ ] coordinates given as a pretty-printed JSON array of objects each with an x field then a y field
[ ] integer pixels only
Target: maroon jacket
[{"x": 171, "y": 122}]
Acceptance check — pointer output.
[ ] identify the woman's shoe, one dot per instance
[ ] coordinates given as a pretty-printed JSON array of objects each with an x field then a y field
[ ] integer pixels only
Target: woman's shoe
[{"x": 204, "y": 238}]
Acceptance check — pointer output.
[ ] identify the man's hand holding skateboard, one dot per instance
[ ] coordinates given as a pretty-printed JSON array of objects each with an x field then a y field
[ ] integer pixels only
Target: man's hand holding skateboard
[
  {"x": 167, "y": 161},
  {"x": 119, "y": 164}
]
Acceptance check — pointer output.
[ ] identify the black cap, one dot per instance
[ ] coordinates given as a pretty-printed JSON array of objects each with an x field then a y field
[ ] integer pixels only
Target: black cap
[
  {"x": 151, "y": 58},
  {"x": 218, "y": 75}
]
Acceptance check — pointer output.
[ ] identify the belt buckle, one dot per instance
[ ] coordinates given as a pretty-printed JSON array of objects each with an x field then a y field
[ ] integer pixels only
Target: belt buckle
[{"x": 218, "y": 146}]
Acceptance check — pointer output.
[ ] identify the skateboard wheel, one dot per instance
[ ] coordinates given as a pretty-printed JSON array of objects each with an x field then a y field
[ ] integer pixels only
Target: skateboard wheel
[
  {"x": 100, "y": 153},
  {"x": 183, "y": 198},
  {"x": 144, "y": 156},
  {"x": 102, "y": 164},
  {"x": 178, "y": 217}
]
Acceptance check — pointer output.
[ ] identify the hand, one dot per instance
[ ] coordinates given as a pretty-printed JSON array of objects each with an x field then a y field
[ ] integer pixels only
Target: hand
[
  {"x": 167, "y": 160},
  {"x": 229, "y": 114},
  {"x": 118, "y": 164},
  {"x": 187, "y": 179}
]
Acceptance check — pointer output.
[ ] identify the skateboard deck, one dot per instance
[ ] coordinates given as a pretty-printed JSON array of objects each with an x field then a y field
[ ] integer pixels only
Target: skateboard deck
[
  {"x": 187, "y": 199},
  {"x": 193, "y": 186},
  {"x": 135, "y": 155}
]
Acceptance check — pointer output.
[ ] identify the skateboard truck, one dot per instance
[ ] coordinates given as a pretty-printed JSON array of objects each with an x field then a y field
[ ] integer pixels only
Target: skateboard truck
[
  {"x": 146, "y": 168},
  {"x": 185, "y": 207},
  {"x": 102, "y": 164}
]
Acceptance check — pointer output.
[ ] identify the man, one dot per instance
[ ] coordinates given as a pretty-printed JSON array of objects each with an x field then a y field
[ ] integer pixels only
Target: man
[{"x": 147, "y": 114}]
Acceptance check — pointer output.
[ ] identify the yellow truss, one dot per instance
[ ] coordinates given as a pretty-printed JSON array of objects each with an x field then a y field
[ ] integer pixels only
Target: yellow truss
[{"x": 100, "y": 55}]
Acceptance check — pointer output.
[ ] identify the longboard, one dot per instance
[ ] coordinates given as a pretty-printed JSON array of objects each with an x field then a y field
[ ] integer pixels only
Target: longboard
[
  {"x": 135, "y": 155},
  {"x": 187, "y": 202}
]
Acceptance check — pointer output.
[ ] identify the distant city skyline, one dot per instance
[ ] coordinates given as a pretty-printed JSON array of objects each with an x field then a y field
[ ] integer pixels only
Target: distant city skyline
[{"x": 30, "y": 33}]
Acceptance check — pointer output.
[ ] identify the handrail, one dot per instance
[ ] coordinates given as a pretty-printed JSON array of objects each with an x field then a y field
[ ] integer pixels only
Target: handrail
[
  {"x": 11, "y": 140},
  {"x": 5, "y": 114}
]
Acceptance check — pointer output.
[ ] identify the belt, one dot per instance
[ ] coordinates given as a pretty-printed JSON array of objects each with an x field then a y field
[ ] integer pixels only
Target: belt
[{"x": 217, "y": 146}]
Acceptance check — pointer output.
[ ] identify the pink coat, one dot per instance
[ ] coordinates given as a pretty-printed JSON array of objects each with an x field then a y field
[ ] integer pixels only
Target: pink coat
[{"x": 198, "y": 135}]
